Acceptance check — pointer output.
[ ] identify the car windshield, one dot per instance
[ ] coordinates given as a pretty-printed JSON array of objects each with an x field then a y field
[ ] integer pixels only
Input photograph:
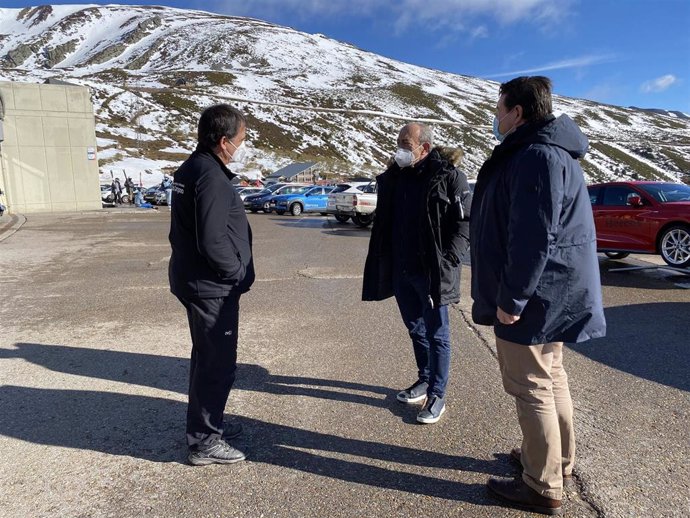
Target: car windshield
[
  {"x": 667, "y": 192},
  {"x": 369, "y": 188}
]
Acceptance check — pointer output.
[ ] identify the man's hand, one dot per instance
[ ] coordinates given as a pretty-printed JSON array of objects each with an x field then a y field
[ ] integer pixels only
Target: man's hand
[{"x": 505, "y": 318}]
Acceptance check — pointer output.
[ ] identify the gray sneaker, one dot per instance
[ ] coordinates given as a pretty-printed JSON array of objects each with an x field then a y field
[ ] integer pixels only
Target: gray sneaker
[
  {"x": 413, "y": 394},
  {"x": 219, "y": 452},
  {"x": 432, "y": 411}
]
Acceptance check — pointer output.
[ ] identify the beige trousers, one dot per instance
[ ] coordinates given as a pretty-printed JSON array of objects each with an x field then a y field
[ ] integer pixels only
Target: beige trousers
[{"x": 534, "y": 375}]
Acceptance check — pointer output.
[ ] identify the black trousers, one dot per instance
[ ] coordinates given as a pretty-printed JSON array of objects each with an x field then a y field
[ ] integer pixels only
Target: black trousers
[{"x": 213, "y": 324}]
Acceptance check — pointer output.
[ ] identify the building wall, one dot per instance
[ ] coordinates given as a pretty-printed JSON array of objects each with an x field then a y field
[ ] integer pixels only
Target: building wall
[{"x": 48, "y": 155}]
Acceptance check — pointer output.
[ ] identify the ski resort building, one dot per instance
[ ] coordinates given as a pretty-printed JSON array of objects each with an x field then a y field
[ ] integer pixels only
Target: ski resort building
[{"x": 47, "y": 148}]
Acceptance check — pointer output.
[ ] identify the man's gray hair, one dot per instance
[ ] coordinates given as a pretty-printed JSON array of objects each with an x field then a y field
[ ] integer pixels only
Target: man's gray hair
[{"x": 426, "y": 135}]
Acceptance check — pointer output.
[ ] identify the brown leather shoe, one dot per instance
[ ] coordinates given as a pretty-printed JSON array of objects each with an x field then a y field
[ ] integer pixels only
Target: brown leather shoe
[
  {"x": 520, "y": 495},
  {"x": 515, "y": 453}
]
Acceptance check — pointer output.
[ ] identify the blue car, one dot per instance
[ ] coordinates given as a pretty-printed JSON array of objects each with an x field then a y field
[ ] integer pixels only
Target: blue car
[
  {"x": 260, "y": 201},
  {"x": 310, "y": 199}
]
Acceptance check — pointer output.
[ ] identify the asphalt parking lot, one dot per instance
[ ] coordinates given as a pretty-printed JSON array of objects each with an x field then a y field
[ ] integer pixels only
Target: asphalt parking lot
[{"x": 94, "y": 357}]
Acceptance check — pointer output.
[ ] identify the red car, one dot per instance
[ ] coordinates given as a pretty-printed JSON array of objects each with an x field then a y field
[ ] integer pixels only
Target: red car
[{"x": 643, "y": 218}]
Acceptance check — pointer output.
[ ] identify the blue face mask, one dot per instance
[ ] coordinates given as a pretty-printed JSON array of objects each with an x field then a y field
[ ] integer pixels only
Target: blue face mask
[{"x": 500, "y": 136}]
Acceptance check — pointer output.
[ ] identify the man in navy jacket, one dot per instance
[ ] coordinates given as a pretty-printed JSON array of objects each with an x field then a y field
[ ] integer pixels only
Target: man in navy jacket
[
  {"x": 419, "y": 238},
  {"x": 210, "y": 267},
  {"x": 535, "y": 278}
]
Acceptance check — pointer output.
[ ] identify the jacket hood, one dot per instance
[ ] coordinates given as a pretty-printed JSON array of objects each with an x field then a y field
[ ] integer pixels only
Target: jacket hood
[
  {"x": 562, "y": 132},
  {"x": 452, "y": 155}
]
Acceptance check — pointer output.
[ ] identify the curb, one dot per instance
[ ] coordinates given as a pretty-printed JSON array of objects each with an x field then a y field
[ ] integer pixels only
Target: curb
[{"x": 11, "y": 226}]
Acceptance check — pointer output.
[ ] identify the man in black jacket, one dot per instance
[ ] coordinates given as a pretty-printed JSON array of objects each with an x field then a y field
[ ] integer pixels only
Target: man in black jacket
[
  {"x": 535, "y": 279},
  {"x": 418, "y": 240},
  {"x": 210, "y": 267}
]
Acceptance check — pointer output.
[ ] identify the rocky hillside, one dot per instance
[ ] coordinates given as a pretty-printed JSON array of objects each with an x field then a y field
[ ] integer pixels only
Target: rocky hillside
[{"x": 152, "y": 69}]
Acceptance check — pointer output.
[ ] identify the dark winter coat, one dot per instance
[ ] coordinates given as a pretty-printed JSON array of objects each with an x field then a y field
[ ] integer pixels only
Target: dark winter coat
[
  {"x": 444, "y": 230},
  {"x": 209, "y": 233},
  {"x": 533, "y": 238}
]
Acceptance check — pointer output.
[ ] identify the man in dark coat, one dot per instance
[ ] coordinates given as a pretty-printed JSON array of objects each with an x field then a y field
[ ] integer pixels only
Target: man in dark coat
[
  {"x": 210, "y": 267},
  {"x": 419, "y": 237},
  {"x": 117, "y": 187},
  {"x": 535, "y": 278}
]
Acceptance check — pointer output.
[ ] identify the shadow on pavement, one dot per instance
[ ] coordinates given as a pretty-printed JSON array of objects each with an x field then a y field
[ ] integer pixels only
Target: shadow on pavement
[
  {"x": 151, "y": 428},
  {"x": 657, "y": 279},
  {"x": 171, "y": 373},
  {"x": 647, "y": 340}
]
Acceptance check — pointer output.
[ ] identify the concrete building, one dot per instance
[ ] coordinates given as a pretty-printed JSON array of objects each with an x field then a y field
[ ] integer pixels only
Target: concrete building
[{"x": 47, "y": 148}]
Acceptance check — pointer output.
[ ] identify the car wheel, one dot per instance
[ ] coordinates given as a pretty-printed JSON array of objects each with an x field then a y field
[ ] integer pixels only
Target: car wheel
[
  {"x": 674, "y": 246},
  {"x": 341, "y": 218},
  {"x": 363, "y": 220},
  {"x": 125, "y": 198},
  {"x": 616, "y": 255},
  {"x": 280, "y": 212},
  {"x": 296, "y": 209}
]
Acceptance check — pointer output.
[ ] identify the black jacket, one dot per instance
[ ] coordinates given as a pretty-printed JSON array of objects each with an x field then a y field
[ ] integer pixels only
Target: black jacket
[
  {"x": 444, "y": 230},
  {"x": 209, "y": 233},
  {"x": 533, "y": 238}
]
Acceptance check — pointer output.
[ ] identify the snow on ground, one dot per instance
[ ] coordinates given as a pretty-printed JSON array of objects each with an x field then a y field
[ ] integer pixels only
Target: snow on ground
[
  {"x": 105, "y": 142},
  {"x": 149, "y": 172},
  {"x": 291, "y": 73}
]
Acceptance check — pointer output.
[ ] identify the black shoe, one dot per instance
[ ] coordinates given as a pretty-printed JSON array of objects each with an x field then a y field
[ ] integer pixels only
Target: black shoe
[
  {"x": 432, "y": 411},
  {"x": 518, "y": 494},
  {"x": 231, "y": 431},
  {"x": 413, "y": 394},
  {"x": 218, "y": 452}
]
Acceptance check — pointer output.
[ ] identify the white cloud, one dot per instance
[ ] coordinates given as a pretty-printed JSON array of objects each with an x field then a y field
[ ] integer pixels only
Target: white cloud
[
  {"x": 296, "y": 9},
  {"x": 453, "y": 15},
  {"x": 581, "y": 61},
  {"x": 659, "y": 84},
  {"x": 479, "y": 32}
]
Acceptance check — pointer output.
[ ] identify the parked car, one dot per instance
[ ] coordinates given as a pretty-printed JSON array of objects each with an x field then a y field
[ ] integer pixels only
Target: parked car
[
  {"x": 307, "y": 199},
  {"x": 269, "y": 189},
  {"x": 359, "y": 205},
  {"x": 349, "y": 187},
  {"x": 246, "y": 191},
  {"x": 643, "y": 218},
  {"x": 261, "y": 200},
  {"x": 108, "y": 196},
  {"x": 155, "y": 195}
]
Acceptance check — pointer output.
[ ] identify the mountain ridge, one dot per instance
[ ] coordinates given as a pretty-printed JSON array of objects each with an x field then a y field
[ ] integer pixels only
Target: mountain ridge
[{"x": 152, "y": 69}]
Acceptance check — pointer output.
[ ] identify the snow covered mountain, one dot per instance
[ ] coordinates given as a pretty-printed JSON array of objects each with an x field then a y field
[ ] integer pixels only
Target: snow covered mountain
[{"x": 307, "y": 97}]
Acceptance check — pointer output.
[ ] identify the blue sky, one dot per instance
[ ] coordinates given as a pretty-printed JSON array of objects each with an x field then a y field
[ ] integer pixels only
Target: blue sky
[{"x": 622, "y": 52}]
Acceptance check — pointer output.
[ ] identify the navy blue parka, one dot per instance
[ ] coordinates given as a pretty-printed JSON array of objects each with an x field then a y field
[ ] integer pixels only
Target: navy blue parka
[{"x": 533, "y": 242}]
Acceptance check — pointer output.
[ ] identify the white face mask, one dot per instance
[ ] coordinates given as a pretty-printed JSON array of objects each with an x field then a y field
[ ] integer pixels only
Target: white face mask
[
  {"x": 404, "y": 157},
  {"x": 240, "y": 154}
]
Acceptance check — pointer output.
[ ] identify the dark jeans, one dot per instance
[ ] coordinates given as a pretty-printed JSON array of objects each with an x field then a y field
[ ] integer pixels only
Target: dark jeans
[
  {"x": 213, "y": 324},
  {"x": 429, "y": 329}
]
